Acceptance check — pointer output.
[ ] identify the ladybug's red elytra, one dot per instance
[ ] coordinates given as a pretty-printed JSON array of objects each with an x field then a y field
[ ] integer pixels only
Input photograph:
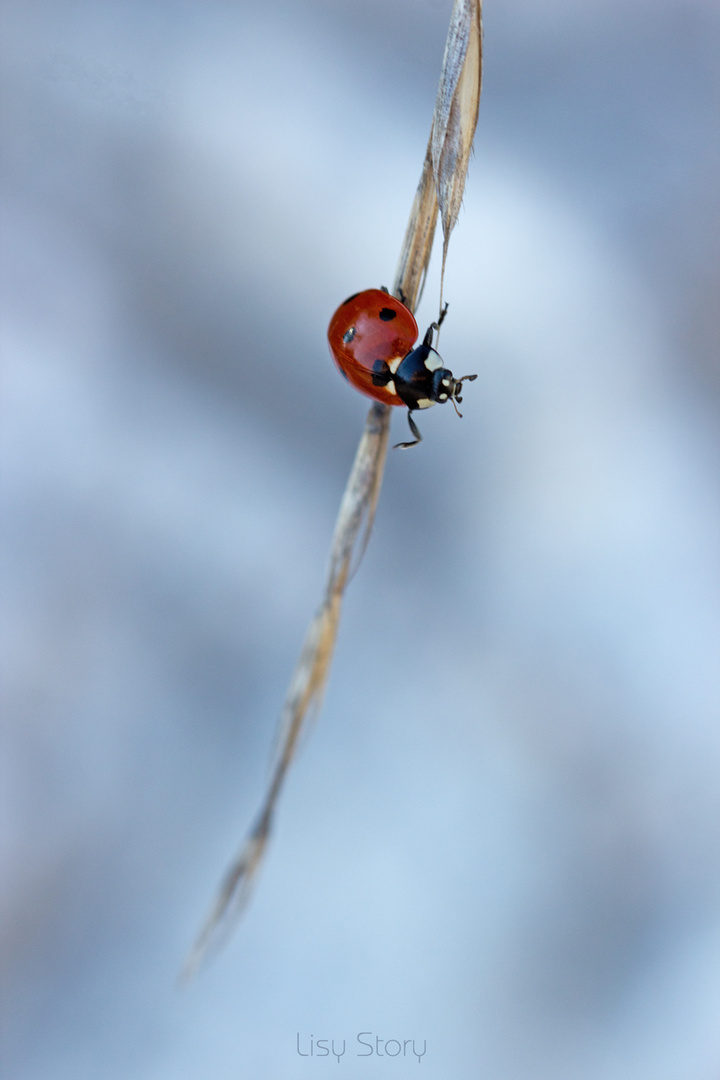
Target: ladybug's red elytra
[{"x": 372, "y": 339}]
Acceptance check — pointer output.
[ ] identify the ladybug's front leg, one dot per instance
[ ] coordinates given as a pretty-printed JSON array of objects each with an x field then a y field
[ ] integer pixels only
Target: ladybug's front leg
[
  {"x": 428, "y": 339},
  {"x": 414, "y": 430}
]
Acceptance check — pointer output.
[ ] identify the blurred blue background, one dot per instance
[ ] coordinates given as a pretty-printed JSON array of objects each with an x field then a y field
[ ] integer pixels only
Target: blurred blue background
[{"x": 503, "y": 837}]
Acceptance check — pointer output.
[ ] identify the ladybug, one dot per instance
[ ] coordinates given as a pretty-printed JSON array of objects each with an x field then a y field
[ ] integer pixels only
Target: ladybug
[{"x": 372, "y": 337}]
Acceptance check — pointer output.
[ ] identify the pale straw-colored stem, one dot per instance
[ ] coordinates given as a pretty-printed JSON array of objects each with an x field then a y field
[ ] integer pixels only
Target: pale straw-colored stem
[{"x": 440, "y": 188}]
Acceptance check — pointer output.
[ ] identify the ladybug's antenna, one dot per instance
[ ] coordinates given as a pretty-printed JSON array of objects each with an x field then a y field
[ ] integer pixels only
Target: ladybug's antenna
[{"x": 457, "y": 386}]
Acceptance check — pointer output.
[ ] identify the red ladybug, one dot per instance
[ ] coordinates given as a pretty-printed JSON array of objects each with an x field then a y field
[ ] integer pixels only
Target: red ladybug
[{"x": 371, "y": 337}]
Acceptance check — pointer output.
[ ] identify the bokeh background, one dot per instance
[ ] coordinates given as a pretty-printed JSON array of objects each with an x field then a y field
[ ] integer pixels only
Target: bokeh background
[{"x": 503, "y": 837}]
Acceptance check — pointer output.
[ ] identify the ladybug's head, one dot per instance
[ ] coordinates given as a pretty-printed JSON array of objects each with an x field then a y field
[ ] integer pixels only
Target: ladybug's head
[{"x": 446, "y": 387}]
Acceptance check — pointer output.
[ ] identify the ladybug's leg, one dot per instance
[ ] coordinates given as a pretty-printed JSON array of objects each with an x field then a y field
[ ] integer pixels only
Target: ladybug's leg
[
  {"x": 414, "y": 430},
  {"x": 381, "y": 376},
  {"x": 427, "y": 340}
]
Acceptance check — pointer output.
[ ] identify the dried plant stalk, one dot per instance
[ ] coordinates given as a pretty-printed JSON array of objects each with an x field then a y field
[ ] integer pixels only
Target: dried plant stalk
[
  {"x": 456, "y": 112},
  {"x": 417, "y": 245},
  {"x": 441, "y": 186},
  {"x": 307, "y": 685}
]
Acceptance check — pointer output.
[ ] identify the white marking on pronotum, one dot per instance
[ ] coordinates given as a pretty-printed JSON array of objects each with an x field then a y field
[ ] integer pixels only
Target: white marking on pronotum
[
  {"x": 423, "y": 403},
  {"x": 433, "y": 362},
  {"x": 395, "y": 364},
  {"x": 390, "y": 387}
]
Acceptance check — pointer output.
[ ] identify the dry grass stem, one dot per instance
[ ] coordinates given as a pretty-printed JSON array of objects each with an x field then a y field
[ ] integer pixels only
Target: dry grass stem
[
  {"x": 456, "y": 112},
  {"x": 419, "y": 235},
  {"x": 441, "y": 184}
]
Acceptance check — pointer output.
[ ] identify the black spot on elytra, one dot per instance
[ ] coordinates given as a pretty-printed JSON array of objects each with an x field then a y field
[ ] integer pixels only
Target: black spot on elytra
[
  {"x": 381, "y": 374},
  {"x": 349, "y": 335},
  {"x": 349, "y": 299},
  {"x": 387, "y": 314}
]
